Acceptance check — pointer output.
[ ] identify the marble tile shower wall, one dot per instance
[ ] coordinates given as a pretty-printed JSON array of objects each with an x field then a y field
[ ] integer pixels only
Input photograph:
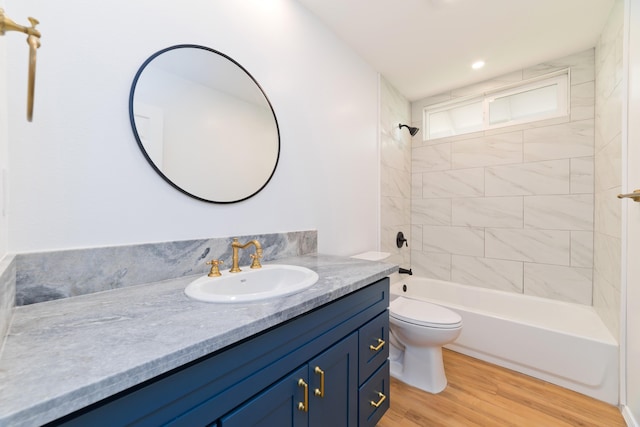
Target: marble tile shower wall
[
  {"x": 608, "y": 171},
  {"x": 510, "y": 209},
  {"x": 53, "y": 275},
  {"x": 395, "y": 174}
]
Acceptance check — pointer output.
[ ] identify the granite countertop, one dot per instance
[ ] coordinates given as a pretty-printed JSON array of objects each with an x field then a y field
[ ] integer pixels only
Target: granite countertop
[{"x": 60, "y": 356}]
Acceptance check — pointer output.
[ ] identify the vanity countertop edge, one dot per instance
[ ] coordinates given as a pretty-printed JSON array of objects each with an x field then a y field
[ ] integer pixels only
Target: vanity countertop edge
[{"x": 60, "y": 356}]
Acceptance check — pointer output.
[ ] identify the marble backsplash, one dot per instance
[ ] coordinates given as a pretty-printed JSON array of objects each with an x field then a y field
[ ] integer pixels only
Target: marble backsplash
[
  {"x": 53, "y": 275},
  {"x": 7, "y": 293}
]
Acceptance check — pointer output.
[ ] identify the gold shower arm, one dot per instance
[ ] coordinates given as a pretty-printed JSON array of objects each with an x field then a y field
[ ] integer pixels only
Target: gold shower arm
[{"x": 33, "y": 40}]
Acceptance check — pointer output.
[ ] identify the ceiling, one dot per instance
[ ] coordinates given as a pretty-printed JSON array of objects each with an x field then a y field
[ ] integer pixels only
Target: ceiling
[{"x": 425, "y": 47}]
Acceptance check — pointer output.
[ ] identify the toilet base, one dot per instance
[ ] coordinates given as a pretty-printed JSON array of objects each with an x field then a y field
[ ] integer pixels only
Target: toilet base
[{"x": 422, "y": 368}]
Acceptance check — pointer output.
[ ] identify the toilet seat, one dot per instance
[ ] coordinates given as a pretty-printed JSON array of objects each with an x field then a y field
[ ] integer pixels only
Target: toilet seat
[{"x": 423, "y": 313}]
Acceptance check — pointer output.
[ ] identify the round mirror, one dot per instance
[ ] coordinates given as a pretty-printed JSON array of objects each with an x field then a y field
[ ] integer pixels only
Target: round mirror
[{"x": 204, "y": 124}]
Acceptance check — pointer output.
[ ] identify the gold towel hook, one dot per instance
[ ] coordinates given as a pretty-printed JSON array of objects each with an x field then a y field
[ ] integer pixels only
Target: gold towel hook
[
  {"x": 33, "y": 40},
  {"x": 635, "y": 196}
]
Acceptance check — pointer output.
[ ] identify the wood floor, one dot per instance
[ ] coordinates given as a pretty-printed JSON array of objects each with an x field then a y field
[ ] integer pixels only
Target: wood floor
[{"x": 482, "y": 394}]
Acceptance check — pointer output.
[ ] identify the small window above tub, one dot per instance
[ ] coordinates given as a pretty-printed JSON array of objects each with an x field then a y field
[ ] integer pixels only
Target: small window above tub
[{"x": 542, "y": 98}]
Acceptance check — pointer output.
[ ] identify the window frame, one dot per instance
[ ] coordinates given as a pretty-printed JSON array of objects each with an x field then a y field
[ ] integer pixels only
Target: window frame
[{"x": 561, "y": 77}]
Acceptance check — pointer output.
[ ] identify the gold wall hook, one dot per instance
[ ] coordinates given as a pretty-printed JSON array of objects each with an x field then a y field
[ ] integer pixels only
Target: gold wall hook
[{"x": 33, "y": 40}]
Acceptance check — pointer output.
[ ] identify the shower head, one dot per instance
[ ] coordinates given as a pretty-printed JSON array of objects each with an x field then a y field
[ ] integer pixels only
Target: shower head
[{"x": 412, "y": 130}]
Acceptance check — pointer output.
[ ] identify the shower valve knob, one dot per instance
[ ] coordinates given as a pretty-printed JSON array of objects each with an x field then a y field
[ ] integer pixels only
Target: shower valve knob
[{"x": 400, "y": 240}]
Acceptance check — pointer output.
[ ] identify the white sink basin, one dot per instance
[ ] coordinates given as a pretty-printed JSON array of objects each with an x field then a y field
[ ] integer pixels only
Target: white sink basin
[{"x": 252, "y": 285}]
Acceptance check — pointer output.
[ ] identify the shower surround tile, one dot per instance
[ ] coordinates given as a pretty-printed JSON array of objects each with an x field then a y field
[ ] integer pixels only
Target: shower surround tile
[
  {"x": 609, "y": 117},
  {"x": 453, "y": 240},
  {"x": 394, "y": 211},
  {"x": 608, "y": 169},
  {"x": 606, "y": 301},
  {"x": 608, "y": 213},
  {"x": 487, "y": 212},
  {"x": 537, "y": 246},
  {"x": 574, "y": 139},
  {"x": 431, "y": 158},
  {"x": 583, "y": 101},
  {"x": 454, "y": 183},
  {"x": 607, "y": 257},
  {"x": 535, "y": 202},
  {"x": 487, "y": 151},
  {"x": 431, "y": 265},
  {"x": 609, "y": 109},
  {"x": 395, "y": 153},
  {"x": 431, "y": 211},
  {"x": 416, "y": 235},
  {"x": 567, "y": 212},
  {"x": 395, "y": 183},
  {"x": 582, "y": 175},
  {"x": 582, "y": 249},
  {"x": 550, "y": 177},
  {"x": 487, "y": 273},
  {"x": 569, "y": 284}
]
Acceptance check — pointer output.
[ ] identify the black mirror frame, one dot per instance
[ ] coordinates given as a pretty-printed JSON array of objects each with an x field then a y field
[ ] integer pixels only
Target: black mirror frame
[{"x": 146, "y": 155}]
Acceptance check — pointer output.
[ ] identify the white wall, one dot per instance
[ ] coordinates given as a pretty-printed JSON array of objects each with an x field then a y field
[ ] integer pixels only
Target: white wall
[
  {"x": 631, "y": 216},
  {"x": 79, "y": 180},
  {"x": 4, "y": 148}
]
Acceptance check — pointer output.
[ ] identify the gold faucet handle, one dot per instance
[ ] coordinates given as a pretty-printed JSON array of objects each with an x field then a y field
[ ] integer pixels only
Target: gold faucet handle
[
  {"x": 215, "y": 269},
  {"x": 256, "y": 261}
]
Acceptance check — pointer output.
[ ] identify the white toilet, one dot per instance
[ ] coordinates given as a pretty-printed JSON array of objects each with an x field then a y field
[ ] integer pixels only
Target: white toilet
[{"x": 418, "y": 331}]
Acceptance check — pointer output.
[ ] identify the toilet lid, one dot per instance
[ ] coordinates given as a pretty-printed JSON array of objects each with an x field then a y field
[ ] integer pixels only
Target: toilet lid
[{"x": 424, "y": 313}]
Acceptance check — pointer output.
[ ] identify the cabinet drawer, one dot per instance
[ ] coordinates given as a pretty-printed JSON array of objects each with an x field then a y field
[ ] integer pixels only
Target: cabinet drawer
[
  {"x": 374, "y": 397},
  {"x": 373, "y": 345}
]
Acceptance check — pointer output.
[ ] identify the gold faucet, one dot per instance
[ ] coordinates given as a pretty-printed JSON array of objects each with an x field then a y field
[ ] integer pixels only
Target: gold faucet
[
  {"x": 215, "y": 267},
  {"x": 235, "y": 245}
]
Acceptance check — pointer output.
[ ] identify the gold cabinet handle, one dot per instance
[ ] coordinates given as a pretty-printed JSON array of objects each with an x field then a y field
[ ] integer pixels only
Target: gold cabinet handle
[
  {"x": 381, "y": 344},
  {"x": 319, "y": 391},
  {"x": 635, "y": 196},
  {"x": 379, "y": 402},
  {"x": 304, "y": 406}
]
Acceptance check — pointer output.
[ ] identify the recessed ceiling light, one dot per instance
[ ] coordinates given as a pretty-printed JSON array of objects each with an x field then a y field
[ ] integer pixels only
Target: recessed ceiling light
[{"x": 477, "y": 65}]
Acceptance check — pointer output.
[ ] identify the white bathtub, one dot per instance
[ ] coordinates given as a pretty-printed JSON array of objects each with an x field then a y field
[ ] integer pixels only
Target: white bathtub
[{"x": 562, "y": 343}]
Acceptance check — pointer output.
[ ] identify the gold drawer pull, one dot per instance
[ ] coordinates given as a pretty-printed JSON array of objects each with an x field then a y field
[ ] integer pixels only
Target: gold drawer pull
[
  {"x": 319, "y": 391},
  {"x": 379, "y": 402},
  {"x": 381, "y": 344},
  {"x": 304, "y": 406}
]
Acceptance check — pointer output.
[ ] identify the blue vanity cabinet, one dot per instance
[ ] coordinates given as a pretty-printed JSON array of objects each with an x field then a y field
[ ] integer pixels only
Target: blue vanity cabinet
[
  {"x": 256, "y": 381},
  {"x": 277, "y": 406},
  {"x": 373, "y": 353},
  {"x": 323, "y": 392}
]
